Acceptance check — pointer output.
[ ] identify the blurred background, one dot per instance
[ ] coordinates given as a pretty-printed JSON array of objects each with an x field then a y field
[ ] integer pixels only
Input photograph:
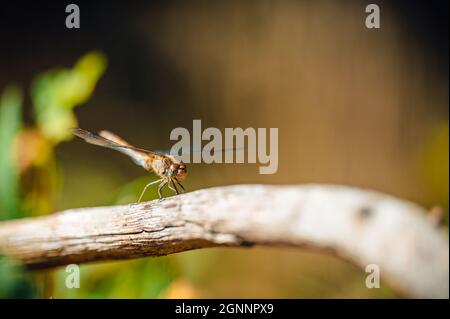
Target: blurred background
[{"x": 354, "y": 106}]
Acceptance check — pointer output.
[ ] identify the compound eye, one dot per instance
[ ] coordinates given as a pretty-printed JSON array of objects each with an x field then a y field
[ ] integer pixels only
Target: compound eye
[{"x": 181, "y": 170}]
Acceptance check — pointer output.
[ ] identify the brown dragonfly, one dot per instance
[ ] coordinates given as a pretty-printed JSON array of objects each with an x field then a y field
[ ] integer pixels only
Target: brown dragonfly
[{"x": 167, "y": 167}]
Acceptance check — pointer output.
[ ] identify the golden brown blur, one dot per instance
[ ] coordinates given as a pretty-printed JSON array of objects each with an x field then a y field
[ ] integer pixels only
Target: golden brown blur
[{"x": 354, "y": 106}]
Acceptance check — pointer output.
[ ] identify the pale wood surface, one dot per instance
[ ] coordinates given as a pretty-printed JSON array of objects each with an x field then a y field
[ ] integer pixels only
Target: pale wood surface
[{"x": 364, "y": 227}]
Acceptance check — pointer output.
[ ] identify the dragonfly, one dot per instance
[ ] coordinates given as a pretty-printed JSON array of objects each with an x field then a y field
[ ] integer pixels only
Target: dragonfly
[{"x": 171, "y": 171}]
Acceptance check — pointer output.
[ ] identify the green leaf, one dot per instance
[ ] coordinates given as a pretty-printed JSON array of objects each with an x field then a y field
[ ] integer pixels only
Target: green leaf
[
  {"x": 10, "y": 124},
  {"x": 14, "y": 281},
  {"x": 56, "y": 92}
]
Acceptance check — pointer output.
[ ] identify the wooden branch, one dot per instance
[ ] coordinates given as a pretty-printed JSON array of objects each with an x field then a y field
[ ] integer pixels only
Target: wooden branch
[{"x": 362, "y": 226}]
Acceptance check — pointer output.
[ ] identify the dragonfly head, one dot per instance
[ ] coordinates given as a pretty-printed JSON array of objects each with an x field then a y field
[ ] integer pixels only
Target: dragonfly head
[{"x": 178, "y": 170}]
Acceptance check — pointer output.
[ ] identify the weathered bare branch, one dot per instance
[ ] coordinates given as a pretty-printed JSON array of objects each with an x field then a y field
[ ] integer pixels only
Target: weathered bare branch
[{"x": 364, "y": 227}]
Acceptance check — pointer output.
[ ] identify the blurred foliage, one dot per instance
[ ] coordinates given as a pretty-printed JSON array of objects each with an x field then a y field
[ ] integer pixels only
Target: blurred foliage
[
  {"x": 141, "y": 278},
  {"x": 31, "y": 170},
  {"x": 57, "y": 92},
  {"x": 10, "y": 124},
  {"x": 434, "y": 165},
  {"x": 28, "y": 169},
  {"x": 15, "y": 282},
  {"x": 54, "y": 94}
]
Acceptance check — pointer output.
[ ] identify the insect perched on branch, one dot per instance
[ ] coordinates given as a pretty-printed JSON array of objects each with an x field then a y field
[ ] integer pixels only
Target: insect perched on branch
[{"x": 170, "y": 170}]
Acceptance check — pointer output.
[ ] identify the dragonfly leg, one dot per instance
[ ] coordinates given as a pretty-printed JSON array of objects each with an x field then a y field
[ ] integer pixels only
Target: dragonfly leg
[
  {"x": 160, "y": 188},
  {"x": 175, "y": 189},
  {"x": 170, "y": 186},
  {"x": 176, "y": 180},
  {"x": 145, "y": 188}
]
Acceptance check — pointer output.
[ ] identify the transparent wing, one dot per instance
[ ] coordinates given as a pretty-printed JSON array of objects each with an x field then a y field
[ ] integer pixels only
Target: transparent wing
[
  {"x": 138, "y": 155},
  {"x": 189, "y": 150}
]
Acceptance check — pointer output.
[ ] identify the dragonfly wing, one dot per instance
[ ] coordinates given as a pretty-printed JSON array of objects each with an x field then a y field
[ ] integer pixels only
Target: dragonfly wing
[
  {"x": 113, "y": 137},
  {"x": 188, "y": 150},
  {"x": 94, "y": 139},
  {"x": 110, "y": 140}
]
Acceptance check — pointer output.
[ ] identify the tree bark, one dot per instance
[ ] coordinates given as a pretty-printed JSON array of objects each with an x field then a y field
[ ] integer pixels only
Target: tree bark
[{"x": 364, "y": 227}]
